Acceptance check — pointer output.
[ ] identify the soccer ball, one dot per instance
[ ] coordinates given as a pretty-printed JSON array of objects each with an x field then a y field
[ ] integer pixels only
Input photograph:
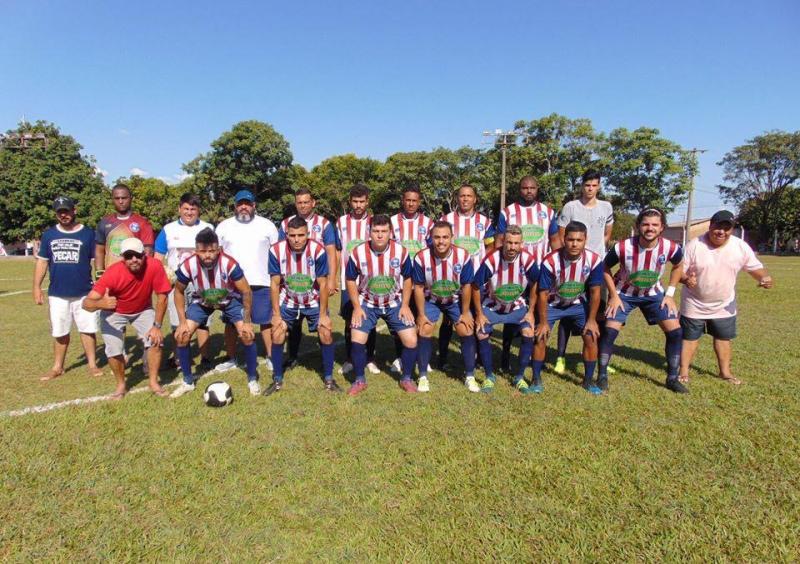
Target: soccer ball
[{"x": 218, "y": 394}]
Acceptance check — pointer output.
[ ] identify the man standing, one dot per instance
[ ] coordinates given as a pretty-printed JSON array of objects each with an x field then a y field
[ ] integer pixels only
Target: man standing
[
  {"x": 442, "y": 277},
  {"x": 124, "y": 294},
  {"x": 569, "y": 289},
  {"x": 379, "y": 283},
  {"x": 176, "y": 243},
  {"x": 708, "y": 300},
  {"x": 217, "y": 282},
  {"x": 299, "y": 270},
  {"x": 352, "y": 229},
  {"x": 499, "y": 291},
  {"x": 66, "y": 251},
  {"x": 115, "y": 228},
  {"x": 247, "y": 238}
]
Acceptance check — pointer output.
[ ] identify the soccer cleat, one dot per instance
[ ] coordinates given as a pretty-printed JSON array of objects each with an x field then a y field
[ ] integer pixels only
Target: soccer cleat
[
  {"x": 423, "y": 385},
  {"x": 560, "y": 366},
  {"x": 396, "y": 367},
  {"x": 357, "y": 387},
  {"x": 602, "y": 383},
  {"x": 675, "y": 386},
  {"x": 228, "y": 363},
  {"x": 535, "y": 389},
  {"x": 181, "y": 390},
  {"x": 272, "y": 388},
  {"x": 408, "y": 386},
  {"x": 589, "y": 386},
  {"x": 255, "y": 389},
  {"x": 373, "y": 368},
  {"x": 332, "y": 386},
  {"x": 522, "y": 386},
  {"x": 346, "y": 368},
  {"x": 472, "y": 384},
  {"x": 487, "y": 387}
]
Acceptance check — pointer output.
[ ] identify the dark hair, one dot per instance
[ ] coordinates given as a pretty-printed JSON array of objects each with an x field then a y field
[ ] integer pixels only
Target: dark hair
[
  {"x": 122, "y": 186},
  {"x": 206, "y": 237},
  {"x": 575, "y": 227},
  {"x": 529, "y": 177},
  {"x": 303, "y": 192},
  {"x": 411, "y": 187},
  {"x": 590, "y": 174},
  {"x": 359, "y": 190},
  {"x": 381, "y": 219},
  {"x": 296, "y": 223},
  {"x": 191, "y": 199},
  {"x": 442, "y": 224},
  {"x": 650, "y": 212}
]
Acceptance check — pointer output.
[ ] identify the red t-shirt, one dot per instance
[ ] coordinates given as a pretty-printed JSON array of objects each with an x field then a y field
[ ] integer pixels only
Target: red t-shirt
[{"x": 133, "y": 292}]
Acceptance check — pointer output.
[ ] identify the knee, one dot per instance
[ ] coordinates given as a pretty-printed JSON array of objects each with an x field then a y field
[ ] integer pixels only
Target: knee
[
  {"x": 461, "y": 331},
  {"x": 426, "y": 330},
  {"x": 325, "y": 336},
  {"x": 527, "y": 332}
]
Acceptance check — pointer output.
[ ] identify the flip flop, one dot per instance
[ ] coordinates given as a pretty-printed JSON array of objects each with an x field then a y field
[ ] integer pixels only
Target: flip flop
[
  {"x": 733, "y": 380},
  {"x": 50, "y": 375}
]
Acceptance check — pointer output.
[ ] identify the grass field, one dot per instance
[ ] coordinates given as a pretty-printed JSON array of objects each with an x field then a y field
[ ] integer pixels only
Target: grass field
[{"x": 638, "y": 474}]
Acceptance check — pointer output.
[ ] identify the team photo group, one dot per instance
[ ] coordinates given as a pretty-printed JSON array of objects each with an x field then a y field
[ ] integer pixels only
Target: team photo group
[{"x": 532, "y": 267}]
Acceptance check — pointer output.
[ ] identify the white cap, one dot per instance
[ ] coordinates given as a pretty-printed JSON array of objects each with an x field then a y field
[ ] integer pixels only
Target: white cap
[{"x": 131, "y": 244}]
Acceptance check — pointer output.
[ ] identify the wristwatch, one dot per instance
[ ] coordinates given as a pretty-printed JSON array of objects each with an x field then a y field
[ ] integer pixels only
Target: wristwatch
[{"x": 156, "y": 325}]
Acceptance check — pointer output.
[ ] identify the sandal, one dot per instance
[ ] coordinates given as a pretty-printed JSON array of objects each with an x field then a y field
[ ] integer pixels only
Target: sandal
[{"x": 51, "y": 375}]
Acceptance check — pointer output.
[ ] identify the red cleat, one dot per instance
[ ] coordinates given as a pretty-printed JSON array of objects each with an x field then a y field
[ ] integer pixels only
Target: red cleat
[
  {"x": 357, "y": 387},
  {"x": 408, "y": 386}
]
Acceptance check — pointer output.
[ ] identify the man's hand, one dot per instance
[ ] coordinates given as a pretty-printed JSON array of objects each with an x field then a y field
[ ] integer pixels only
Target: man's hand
[
  {"x": 529, "y": 318},
  {"x": 359, "y": 317},
  {"x": 481, "y": 321},
  {"x": 110, "y": 303},
  {"x": 246, "y": 332},
  {"x": 38, "y": 296},
  {"x": 542, "y": 331},
  {"x": 591, "y": 329},
  {"x": 154, "y": 335},
  {"x": 422, "y": 321},
  {"x": 406, "y": 316},
  {"x": 765, "y": 282},
  {"x": 614, "y": 305},
  {"x": 182, "y": 330},
  {"x": 669, "y": 303},
  {"x": 468, "y": 321},
  {"x": 333, "y": 289},
  {"x": 324, "y": 321},
  {"x": 690, "y": 280}
]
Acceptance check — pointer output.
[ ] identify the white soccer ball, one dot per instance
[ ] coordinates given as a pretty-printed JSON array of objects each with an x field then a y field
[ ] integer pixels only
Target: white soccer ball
[{"x": 218, "y": 394}]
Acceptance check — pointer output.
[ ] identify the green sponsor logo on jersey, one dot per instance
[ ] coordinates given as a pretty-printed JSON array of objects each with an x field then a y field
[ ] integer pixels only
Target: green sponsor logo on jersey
[
  {"x": 644, "y": 279},
  {"x": 470, "y": 244},
  {"x": 381, "y": 285},
  {"x": 570, "y": 289},
  {"x": 299, "y": 283},
  {"x": 444, "y": 288},
  {"x": 532, "y": 233},
  {"x": 213, "y": 296},
  {"x": 508, "y": 292},
  {"x": 353, "y": 244},
  {"x": 412, "y": 245}
]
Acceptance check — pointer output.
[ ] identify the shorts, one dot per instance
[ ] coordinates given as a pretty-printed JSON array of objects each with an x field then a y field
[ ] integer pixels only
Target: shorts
[
  {"x": 294, "y": 316},
  {"x": 512, "y": 318},
  {"x": 391, "y": 315},
  {"x": 433, "y": 311},
  {"x": 575, "y": 313},
  {"x": 64, "y": 310},
  {"x": 112, "y": 326},
  {"x": 231, "y": 314},
  {"x": 174, "y": 320},
  {"x": 723, "y": 328},
  {"x": 649, "y": 305},
  {"x": 262, "y": 305}
]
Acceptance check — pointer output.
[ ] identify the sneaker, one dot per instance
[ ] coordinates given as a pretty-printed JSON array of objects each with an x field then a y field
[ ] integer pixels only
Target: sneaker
[
  {"x": 357, "y": 387},
  {"x": 205, "y": 366},
  {"x": 560, "y": 366},
  {"x": 472, "y": 384},
  {"x": 423, "y": 385},
  {"x": 535, "y": 389},
  {"x": 272, "y": 388},
  {"x": 181, "y": 390},
  {"x": 602, "y": 383},
  {"x": 522, "y": 386},
  {"x": 332, "y": 386},
  {"x": 487, "y": 387},
  {"x": 373, "y": 368},
  {"x": 408, "y": 386},
  {"x": 675, "y": 386},
  {"x": 290, "y": 363},
  {"x": 346, "y": 368},
  {"x": 227, "y": 364},
  {"x": 591, "y": 388},
  {"x": 396, "y": 368},
  {"x": 267, "y": 362},
  {"x": 255, "y": 389}
]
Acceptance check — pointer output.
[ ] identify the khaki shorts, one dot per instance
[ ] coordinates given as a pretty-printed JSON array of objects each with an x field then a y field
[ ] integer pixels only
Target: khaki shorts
[{"x": 112, "y": 326}]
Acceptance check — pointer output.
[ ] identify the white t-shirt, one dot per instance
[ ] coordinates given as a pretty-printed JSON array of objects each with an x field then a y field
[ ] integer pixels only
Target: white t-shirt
[
  {"x": 249, "y": 244},
  {"x": 716, "y": 269},
  {"x": 177, "y": 239},
  {"x": 596, "y": 219}
]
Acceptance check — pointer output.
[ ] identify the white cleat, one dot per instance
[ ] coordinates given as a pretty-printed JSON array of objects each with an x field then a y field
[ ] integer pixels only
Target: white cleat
[
  {"x": 255, "y": 389},
  {"x": 423, "y": 385},
  {"x": 373, "y": 368},
  {"x": 267, "y": 362},
  {"x": 396, "y": 366},
  {"x": 226, "y": 365},
  {"x": 472, "y": 384},
  {"x": 182, "y": 390},
  {"x": 346, "y": 368}
]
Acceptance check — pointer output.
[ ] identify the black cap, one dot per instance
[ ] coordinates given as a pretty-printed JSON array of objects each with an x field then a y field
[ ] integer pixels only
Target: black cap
[
  {"x": 723, "y": 216},
  {"x": 63, "y": 203}
]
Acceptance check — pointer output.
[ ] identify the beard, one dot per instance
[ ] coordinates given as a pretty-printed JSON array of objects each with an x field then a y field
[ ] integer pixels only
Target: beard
[{"x": 244, "y": 217}]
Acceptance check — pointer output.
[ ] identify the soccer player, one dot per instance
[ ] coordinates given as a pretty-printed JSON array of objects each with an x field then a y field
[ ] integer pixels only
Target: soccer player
[
  {"x": 247, "y": 238},
  {"x": 218, "y": 283},
  {"x": 115, "y": 228},
  {"x": 598, "y": 217},
  {"x": 708, "y": 300},
  {"x": 378, "y": 279},
  {"x": 352, "y": 229},
  {"x": 443, "y": 275},
  {"x": 642, "y": 261},
  {"x": 504, "y": 278},
  {"x": 299, "y": 270},
  {"x": 66, "y": 251},
  {"x": 322, "y": 231},
  {"x": 174, "y": 244},
  {"x": 569, "y": 288},
  {"x": 124, "y": 294}
]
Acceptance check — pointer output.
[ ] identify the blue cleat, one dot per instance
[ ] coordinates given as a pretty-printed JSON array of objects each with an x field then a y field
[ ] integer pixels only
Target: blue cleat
[{"x": 535, "y": 389}]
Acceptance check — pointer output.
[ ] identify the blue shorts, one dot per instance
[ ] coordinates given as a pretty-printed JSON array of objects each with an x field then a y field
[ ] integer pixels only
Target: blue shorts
[
  {"x": 262, "y": 305},
  {"x": 433, "y": 311},
  {"x": 512, "y": 318},
  {"x": 232, "y": 313},
  {"x": 391, "y": 315},
  {"x": 294, "y": 315},
  {"x": 576, "y": 313},
  {"x": 650, "y": 306}
]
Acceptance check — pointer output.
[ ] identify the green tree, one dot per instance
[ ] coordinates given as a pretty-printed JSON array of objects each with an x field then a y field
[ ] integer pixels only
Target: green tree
[
  {"x": 757, "y": 177},
  {"x": 331, "y": 180},
  {"x": 37, "y": 164}
]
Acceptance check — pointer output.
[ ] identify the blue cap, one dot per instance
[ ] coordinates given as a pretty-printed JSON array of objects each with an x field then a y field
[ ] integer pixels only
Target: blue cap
[{"x": 244, "y": 195}]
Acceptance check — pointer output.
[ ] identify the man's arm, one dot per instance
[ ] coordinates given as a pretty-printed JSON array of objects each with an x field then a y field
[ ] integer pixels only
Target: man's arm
[
  {"x": 99, "y": 258},
  {"x": 333, "y": 282},
  {"x": 762, "y": 276},
  {"x": 38, "y": 277},
  {"x": 607, "y": 234},
  {"x": 243, "y": 287},
  {"x": 591, "y": 327},
  {"x": 542, "y": 330},
  {"x": 532, "y": 295},
  {"x": 322, "y": 281},
  {"x": 94, "y": 301}
]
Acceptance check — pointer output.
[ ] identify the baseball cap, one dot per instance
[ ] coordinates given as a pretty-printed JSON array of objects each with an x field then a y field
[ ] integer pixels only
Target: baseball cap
[
  {"x": 723, "y": 216},
  {"x": 63, "y": 203},
  {"x": 131, "y": 244},
  {"x": 244, "y": 195}
]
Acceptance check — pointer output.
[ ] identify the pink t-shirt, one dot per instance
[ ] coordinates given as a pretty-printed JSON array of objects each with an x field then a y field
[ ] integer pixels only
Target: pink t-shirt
[{"x": 716, "y": 269}]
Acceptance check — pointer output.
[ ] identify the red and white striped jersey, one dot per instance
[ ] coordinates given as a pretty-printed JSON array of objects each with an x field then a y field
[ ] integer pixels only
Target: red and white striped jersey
[
  {"x": 213, "y": 287},
  {"x": 379, "y": 276},
  {"x": 317, "y": 227},
  {"x": 350, "y": 233},
  {"x": 443, "y": 278},
  {"x": 299, "y": 272},
  {"x": 503, "y": 283},
  {"x": 535, "y": 222},
  {"x": 566, "y": 280},
  {"x": 641, "y": 269},
  {"x": 414, "y": 234},
  {"x": 469, "y": 233}
]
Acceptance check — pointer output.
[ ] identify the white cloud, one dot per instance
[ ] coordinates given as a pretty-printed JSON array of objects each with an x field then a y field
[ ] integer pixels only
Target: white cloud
[
  {"x": 136, "y": 171},
  {"x": 181, "y": 176},
  {"x": 100, "y": 171}
]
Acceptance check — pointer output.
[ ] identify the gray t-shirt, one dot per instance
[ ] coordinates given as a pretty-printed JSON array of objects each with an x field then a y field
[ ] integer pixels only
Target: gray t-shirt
[{"x": 595, "y": 219}]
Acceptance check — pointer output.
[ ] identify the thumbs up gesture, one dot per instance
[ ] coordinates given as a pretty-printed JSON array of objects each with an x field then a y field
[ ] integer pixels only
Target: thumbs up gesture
[{"x": 108, "y": 302}]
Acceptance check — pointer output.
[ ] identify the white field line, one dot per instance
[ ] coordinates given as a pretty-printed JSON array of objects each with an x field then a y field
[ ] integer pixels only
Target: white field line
[{"x": 13, "y": 293}]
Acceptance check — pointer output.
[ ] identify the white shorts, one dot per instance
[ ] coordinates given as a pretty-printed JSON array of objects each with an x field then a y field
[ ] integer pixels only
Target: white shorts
[{"x": 64, "y": 310}]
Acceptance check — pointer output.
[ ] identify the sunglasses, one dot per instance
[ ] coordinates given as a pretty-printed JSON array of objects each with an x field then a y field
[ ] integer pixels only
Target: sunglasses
[{"x": 132, "y": 254}]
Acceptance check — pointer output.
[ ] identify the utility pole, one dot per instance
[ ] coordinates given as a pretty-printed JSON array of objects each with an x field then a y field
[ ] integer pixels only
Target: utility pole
[
  {"x": 688, "y": 225},
  {"x": 504, "y": 140}
]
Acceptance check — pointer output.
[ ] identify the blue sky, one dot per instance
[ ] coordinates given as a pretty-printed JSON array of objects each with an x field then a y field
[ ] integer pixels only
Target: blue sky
[{"x": 148, "y": 85}]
